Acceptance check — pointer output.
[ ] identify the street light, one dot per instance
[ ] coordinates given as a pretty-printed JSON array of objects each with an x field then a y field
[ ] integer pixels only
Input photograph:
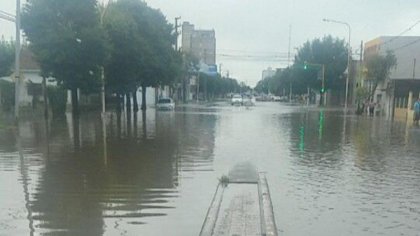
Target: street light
[
  {"x": 348, "y": 58},
  {"x": 104, "y": 8},
  {"x": 104, "y": 136}
]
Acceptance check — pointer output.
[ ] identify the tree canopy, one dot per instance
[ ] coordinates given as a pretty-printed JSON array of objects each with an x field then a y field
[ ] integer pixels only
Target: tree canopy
[
  {"x": 67, "y": 41},
  {"x": 141, "y": 51},
  {"x": 379, "y": 67},
  {"x": 307, "y": 68},
  {"x": 7, "y": 56}
]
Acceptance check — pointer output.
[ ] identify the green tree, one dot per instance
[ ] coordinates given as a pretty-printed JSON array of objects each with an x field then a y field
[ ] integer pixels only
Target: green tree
[
  {"x": 67, "y": 41},
  {"x": 7, "y": 56},
  {"x": 329, "y": 51},
  {"x": 379, "y": 68},
  {"x": 141, "y": 49}
]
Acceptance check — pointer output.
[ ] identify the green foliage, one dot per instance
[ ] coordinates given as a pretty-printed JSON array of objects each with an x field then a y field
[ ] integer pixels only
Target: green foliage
[
  {"x": 57, "y": 98},
  {"x": 67, "y": 40},
  {"x": 220, "y": 86},
  {"x": 379, "y": 67},
  {"x": 7, "y": 95},
  {"x": 362, "y": 94},
  {"x": 141, "y": 47},
  {"x": 328, "y": 51},
  {"x": 7, "y": 56},
  {"x": 307, "y": 68}
]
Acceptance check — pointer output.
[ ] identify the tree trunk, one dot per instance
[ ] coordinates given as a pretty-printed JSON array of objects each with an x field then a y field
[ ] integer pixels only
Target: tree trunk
[
  {"x": 74, "y": 102},
  {"x": 118, "y": 102},
  {"x": 372, "y": 93},
  {"x": 128, "y": 102},
  {"x": 143, "y": 98},
  {"x": 135, "y": 102},
  {"x": 45, "y": 95},
  {"x": 184, "y": 90}
]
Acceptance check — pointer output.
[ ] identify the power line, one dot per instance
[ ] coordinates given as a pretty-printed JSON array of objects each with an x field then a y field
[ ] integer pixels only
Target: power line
[
  {"x": 251, "y": 52},
  {"x": 402, "y": 33},
  {"x": 406, "y": 45}
]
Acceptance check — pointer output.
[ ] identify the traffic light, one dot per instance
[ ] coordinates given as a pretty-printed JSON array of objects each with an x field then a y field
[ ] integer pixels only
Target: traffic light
[
  {"x": 305, "y": 66},
  {"x": 322, "y": 90}
]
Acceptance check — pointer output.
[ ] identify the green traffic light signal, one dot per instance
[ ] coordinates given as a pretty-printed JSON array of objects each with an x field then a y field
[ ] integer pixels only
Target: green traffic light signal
[
  {"x": 305, "y": 66},
  {"x": 322, "y": 90}
]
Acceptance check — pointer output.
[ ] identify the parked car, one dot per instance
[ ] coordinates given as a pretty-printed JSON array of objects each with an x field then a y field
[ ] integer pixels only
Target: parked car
[
  {"x": 248, "y": 101},
  {"x": 236, "y": 99},
  {"x": 276, "y": 98},
  {"x": 165, "y": 104}
]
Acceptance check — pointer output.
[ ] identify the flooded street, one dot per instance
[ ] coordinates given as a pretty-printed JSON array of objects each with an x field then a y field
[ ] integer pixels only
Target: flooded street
[{"x": 329, "y": 174}]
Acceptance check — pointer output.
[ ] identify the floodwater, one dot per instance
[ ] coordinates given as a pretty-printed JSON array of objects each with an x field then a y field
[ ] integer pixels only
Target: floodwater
[{"x": 329, "y": 173}]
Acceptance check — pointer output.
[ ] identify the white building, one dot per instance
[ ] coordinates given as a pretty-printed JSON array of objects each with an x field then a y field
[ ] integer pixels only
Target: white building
[{"x": 31, "y": 80}]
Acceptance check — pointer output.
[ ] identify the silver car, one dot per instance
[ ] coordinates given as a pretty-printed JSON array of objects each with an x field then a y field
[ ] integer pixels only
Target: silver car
[
  {"x": 237, "y": 99},
  {"x": 165, "y": 104}
]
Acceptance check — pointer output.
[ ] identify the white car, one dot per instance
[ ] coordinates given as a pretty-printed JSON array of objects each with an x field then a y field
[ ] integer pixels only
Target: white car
[
  {"x": 165, "y": 104},
  {"x": 248, "y": 101},
  {"x": 236, "y": 99}
]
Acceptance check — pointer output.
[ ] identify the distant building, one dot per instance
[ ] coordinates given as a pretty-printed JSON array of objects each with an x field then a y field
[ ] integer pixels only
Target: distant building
[
  {"x": 30, "y": 87},
  {"x": 269, "y": 72},
  {"x": 200, "y": 43},
  {"x": 395, "y": 95}
]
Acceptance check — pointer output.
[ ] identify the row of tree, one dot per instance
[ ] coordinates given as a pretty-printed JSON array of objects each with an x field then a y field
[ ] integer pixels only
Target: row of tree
[
  {"x": 126, "y": 45},
  {"x": 77, "y": 41},
  {"x": 217, "y": 87}
]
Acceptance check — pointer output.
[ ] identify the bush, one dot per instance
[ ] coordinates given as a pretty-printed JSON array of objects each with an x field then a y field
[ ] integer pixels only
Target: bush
[{"x": 57, "y": 98}]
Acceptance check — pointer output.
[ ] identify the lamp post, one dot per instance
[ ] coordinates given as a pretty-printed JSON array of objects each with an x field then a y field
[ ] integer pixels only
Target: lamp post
[
  {"x": 104, "y": 136},
  {"x": 104, "y": 8},
  {"x": 348, "y": 57}
]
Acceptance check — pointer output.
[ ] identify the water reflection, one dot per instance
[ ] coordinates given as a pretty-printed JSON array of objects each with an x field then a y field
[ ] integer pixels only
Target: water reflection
[{"x": 154, "y": 173}]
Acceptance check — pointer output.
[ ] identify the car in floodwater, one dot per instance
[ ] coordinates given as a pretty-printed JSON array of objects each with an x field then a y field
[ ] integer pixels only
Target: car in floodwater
[
  {"x": 165, "y": 104},
  {"x": 236, "y": 99},
  {"x": 248, "y": 100}
]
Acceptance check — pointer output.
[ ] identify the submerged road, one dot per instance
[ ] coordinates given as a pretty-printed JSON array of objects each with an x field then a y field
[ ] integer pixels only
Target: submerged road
[{"x": 329, "y": 173}]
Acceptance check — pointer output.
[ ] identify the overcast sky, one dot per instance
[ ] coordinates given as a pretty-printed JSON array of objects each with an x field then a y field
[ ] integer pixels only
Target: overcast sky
[{"x": 250, "y": 33}]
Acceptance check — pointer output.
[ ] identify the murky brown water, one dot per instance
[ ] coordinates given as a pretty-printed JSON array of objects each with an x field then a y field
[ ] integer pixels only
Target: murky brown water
[{"x": 329, "y": 174}]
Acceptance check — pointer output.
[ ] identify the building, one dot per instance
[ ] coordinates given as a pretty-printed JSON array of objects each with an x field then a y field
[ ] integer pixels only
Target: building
[
  {"x": 394, "y": 96},
  {"x": 269, "y": 72},
  {"x": 200, "y": 43},
  {"x": 31, "y": 81}
]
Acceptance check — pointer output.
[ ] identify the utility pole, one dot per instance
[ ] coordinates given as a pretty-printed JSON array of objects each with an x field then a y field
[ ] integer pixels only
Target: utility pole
[
  {"x": 288, "y": 61},
  {"x": 17, "y": 61},
  {"x": 349, "y": 57},
  {"x": 176, "y": 32}
]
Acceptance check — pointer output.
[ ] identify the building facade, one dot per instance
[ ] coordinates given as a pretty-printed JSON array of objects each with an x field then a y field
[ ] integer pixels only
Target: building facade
[
  {"x": 394, "y": 95},
  {"x": 200, "y": 43}
]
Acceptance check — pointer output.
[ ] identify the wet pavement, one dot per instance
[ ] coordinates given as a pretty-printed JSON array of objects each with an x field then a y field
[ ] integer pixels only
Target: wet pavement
[{"x": 329, "y": 173}]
